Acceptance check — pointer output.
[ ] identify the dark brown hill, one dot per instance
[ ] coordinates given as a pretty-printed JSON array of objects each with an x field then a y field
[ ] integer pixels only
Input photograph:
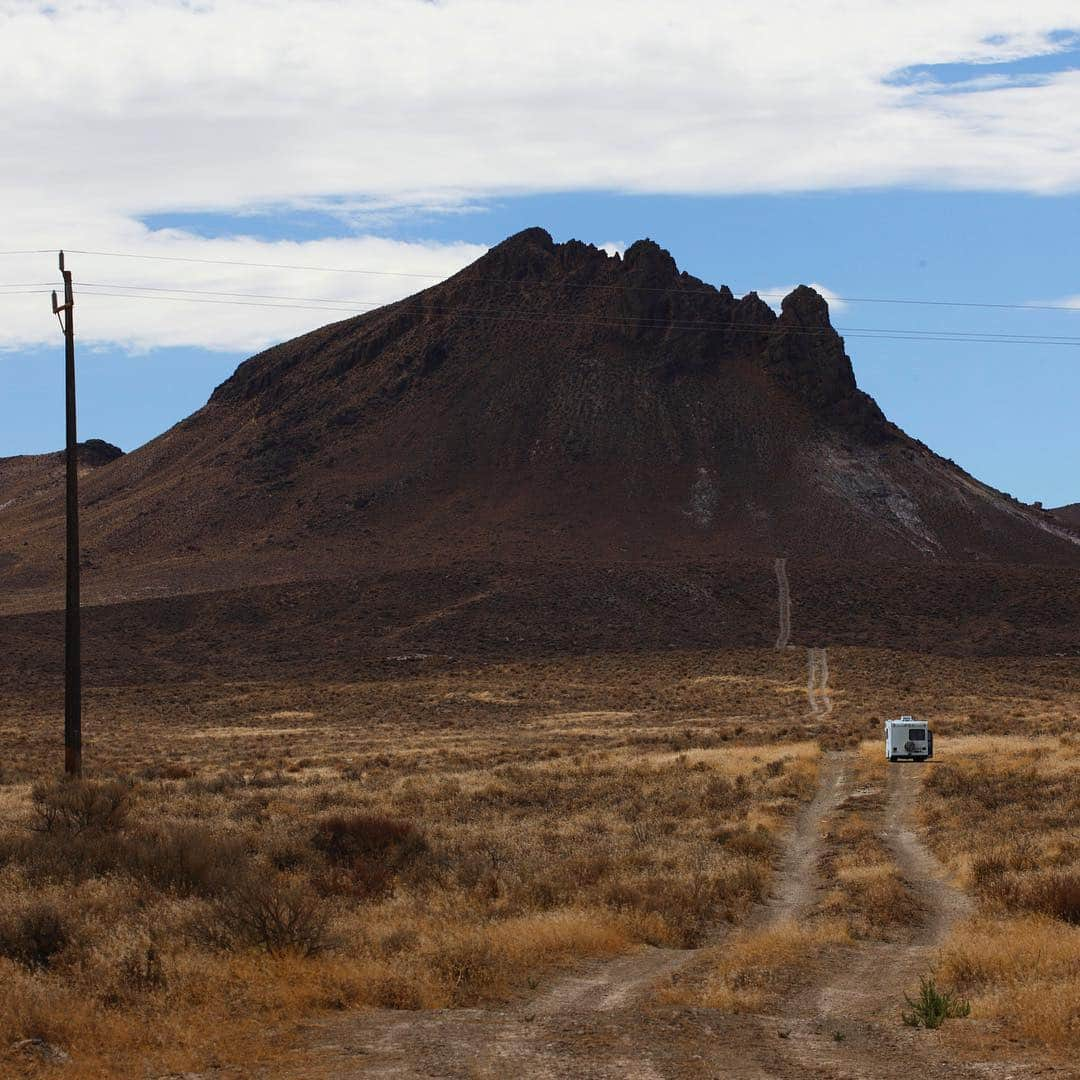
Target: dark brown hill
[
  {"x": 1068, "y": 515},
  {"x": 553, "y": 415},
  {"x": 35, "y": 477}
]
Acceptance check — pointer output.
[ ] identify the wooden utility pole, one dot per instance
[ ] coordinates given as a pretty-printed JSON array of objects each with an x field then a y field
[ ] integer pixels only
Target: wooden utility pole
[{"x": 72, "y": 623}]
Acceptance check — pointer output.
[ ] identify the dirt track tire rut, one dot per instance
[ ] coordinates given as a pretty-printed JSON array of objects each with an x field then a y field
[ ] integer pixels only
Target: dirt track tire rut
[
  {"x": 847, "y": 1026},
  {"x": 797, "y": 881},
  {"x": 593, "y": 1023},
  {"x": 602, "y": 1022}
]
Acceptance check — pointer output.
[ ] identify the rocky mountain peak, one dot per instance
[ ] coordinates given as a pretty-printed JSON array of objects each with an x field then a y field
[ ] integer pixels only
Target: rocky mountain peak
[
  {"x": 648, "y": 258},
  {"x": 805, "y": 307}
]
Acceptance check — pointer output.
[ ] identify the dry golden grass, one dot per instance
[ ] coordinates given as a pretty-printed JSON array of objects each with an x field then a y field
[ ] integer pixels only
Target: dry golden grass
[
  {"x": 567, "y": 807},
  {"x": 866, "y": 899},
  {"x": 194, "y": 908},
  {"x": 1025, "y": 971},
  {"x": 755, "y": 967},
  {"x": 1004, "y": 813},
  {"x": 867, "y": 892}
]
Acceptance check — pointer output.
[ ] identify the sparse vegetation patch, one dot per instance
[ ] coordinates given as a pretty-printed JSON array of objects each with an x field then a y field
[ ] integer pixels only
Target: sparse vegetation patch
[
  {"x": 168, "y": 913},
  {"x": 1003, "y": 814}
]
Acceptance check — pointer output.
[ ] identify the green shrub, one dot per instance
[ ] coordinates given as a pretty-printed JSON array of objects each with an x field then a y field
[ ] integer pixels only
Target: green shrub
[{"x": 933, "y": 1006}]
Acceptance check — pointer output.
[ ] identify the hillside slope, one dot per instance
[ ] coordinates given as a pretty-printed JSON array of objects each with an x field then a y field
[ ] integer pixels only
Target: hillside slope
[
  {"x": 1068, "y": 515},
  {"x": 34, "y": 477}
]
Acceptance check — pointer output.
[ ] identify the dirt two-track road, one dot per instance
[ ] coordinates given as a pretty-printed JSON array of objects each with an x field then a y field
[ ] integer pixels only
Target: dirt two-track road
[{"x": 606, "y": 1020}]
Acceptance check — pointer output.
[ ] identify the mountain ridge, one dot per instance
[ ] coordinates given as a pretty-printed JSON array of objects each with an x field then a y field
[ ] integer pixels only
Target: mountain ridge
[{"x": 549, "y": 410}]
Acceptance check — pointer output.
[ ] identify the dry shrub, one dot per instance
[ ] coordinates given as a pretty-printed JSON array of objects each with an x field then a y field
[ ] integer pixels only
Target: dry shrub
[
  {"x": 1023, "y": 964},
  {"x": 130, "y": 971},
  {"x": 399, "y": 990},
  {"x": 874, "y": 899},
  {"x": 34, "y": 935},
  {"x": 75, "y": 806},
  {"x": 200, "y": 910},
  {"x": 867, "y": 890},
  {"x": 143, "y": 970},
  {"x": 187, "y": 858},
  {"x": 722, "y": 793},
  {"x": 1051, "y": 891},
  {"x": 278, "y": 914},
  {"x": 367, "y": 853},
  {"x": 222, "y": 783},
  {"x": 369, "y": 836},
  {"x": 169, "y": 771},
  {"x": 756, "y": 843},
  {"x": 688, "y": 906},
  {"x": 31, "y": 1008},
  {"x": 477, "y": 963},
  {"x": 184, "y": 857},
  {"x": 987, "y": 867},
  {"x": 1027, "y": 798},
  {"x": 469, "y": 964}
]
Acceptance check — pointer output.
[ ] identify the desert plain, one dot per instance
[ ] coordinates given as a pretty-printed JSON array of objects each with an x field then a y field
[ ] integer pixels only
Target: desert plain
[{"x": 685, "y": 863}]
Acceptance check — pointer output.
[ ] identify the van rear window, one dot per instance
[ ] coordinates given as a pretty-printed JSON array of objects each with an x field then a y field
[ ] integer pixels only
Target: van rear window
[{"x": 917, "y": 735}]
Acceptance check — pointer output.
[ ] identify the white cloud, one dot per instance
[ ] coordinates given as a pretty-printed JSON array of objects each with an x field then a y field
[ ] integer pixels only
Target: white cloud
[{"x": 115, "y": 109}]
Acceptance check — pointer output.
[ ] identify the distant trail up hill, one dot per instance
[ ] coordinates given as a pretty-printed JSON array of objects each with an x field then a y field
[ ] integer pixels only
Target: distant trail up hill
[{"x": 549, "y": 414}]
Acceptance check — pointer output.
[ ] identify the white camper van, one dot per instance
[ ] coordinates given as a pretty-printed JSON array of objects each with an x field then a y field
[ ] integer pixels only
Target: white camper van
[{"x": 908, "y": 738}]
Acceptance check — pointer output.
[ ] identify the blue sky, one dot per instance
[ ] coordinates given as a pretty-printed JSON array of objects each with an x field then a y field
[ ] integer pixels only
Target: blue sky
[{"x": 920, "y": 154}]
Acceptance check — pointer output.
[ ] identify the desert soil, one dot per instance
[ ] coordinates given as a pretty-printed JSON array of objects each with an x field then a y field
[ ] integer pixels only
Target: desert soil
[{"x": 605, "y": 1019}]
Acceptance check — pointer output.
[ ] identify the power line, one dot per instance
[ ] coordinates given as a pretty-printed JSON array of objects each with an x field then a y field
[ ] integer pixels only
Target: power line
[
  {"x": 349, "y": 305},
  {"x": 244, "y": 296},
  {"x": 259, "y": 265},
  {"x": 567, "y": 284},
  {"x": 511, "y": 315},
  {"x": 266, "y": 300},
  {"x": 382, "y": 303}
]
